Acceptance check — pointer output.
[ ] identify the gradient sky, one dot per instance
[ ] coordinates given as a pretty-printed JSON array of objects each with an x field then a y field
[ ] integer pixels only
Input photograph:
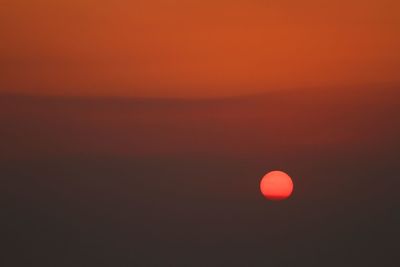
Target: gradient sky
[
  {"x": 165, "y": 182},
  {"x": 135, "y": 181},
  {"x": 195, "y": 48}
]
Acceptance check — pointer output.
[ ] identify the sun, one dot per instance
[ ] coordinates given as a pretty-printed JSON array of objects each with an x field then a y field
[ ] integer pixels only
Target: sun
[{"x": 276, "y": 185}]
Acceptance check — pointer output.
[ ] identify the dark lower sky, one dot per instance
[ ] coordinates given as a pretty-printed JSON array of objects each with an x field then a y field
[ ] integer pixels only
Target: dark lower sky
[{"x": 153, "y": 182}]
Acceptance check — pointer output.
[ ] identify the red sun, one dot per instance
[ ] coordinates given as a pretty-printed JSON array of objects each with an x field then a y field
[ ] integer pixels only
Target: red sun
[{"x": 276, "y": 185}]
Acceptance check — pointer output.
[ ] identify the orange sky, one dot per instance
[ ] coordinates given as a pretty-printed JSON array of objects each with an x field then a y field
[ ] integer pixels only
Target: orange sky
[{"x": 196, "y": 48}]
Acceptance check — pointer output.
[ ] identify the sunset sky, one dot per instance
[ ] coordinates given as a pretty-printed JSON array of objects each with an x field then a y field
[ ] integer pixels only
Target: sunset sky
[
  {"x": 136, "y": 133},
  {"x": 196, "y": 48}
]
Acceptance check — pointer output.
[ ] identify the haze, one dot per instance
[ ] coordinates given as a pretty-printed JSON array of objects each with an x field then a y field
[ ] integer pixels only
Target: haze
[
  {"x": 135, "y": 133},
  {"x": 134, "y": 182}
]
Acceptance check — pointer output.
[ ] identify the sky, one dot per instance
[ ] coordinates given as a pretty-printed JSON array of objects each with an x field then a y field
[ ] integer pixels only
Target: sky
[
  {"x": 136, "y": 133},
  {"x": 160, "y": 48},
  {"x": 166, "y": 182}
]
